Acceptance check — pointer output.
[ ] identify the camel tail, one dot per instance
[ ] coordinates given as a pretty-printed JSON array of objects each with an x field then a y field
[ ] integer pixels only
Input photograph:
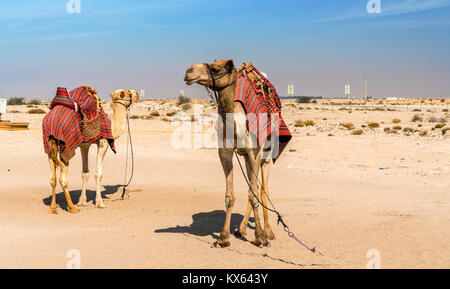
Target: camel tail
[{"x": 53, "y": 154}]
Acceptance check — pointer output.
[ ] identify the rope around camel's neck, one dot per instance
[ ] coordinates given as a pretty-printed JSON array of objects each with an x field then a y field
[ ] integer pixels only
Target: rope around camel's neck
[{"x": 226, "y": 97}]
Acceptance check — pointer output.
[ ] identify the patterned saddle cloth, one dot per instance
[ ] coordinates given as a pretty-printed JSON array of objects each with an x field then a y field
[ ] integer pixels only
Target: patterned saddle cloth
[
  {"x": 74, "y": 119},
  {"x": 263, "y": 108}
]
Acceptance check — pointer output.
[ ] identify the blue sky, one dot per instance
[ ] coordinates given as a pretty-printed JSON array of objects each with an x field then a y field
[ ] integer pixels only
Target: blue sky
[{"x": 318, "y": 46}]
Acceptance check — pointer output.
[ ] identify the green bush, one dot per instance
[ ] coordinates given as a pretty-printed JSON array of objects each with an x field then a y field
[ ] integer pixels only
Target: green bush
[
  {"x": 187, "y": 106},
  {"x": 16, "y": 101},
  {"x": 183, "y": 100},
  {"x": 304, "y": 99}
]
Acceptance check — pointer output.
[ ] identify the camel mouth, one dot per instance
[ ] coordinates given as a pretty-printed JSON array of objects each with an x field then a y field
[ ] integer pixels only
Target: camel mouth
[{"x": 191, "y": 81}]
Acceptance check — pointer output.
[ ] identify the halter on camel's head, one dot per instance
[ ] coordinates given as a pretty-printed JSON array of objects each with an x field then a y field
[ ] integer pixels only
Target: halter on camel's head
[{"x": 124, "y": 97}]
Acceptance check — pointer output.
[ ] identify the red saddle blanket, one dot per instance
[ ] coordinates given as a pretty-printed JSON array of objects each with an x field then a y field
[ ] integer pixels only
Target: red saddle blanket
[
  {"x": 263, "y": 108},
  {"x": 65, "y": 124}
]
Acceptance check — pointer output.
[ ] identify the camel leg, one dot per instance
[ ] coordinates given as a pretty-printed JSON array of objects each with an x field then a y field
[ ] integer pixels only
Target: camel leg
[
  {"x": 226, "y": 158},
  {"x": 84, "y": 175},
  {"x": 253, "y": 164},
  {"x": 102, "y": 149},
  {"x": 53, "y": 183},
  {"x": 265, "y": 169},
  {"x": 63, "y": 180},
  {"x": 242, "y": 231}
]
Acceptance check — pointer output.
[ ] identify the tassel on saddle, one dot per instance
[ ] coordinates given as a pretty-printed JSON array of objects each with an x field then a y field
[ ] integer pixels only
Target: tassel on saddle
[{"x": 91, "y": 124}]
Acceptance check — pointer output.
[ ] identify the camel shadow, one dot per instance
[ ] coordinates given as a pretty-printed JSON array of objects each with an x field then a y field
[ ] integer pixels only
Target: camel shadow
[
  {"x": 207, "y": 224},
  {"x": 75, "y": 196}
]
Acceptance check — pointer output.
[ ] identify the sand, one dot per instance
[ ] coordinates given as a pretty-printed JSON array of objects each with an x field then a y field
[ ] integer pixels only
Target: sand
[{"x": 341, "y": 193}]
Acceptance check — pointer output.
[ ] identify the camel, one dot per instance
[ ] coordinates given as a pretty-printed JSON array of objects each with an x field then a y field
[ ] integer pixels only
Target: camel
[
  {"x": 221, "y": 76},
  {"x": 121, "y": 102}
]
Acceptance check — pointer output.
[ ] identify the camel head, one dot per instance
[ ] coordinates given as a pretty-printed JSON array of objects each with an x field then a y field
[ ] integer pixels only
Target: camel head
[
  {"x": 223, "y": 72},
  {"x": 125, "y": 97}
]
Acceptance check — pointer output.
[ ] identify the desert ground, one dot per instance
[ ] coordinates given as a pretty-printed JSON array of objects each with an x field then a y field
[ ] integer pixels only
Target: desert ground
[{"x": 349, "y": 182}]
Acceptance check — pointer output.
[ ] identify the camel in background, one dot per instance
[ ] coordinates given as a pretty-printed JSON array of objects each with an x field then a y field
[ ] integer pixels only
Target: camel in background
[
  {"x": 221, "y": 76},
  {"x": 121, "y": 102}
]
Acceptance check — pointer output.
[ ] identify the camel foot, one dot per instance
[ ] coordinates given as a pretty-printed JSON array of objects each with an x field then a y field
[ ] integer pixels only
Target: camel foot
[
  {"x": 100, "y": 205},
  {"x": 269, "y": 234},
  {"x": 261, "y": 241},
  {"x": 74, "y": 210},
  {"x": 240, "y": 234},
  {"x": 53, "y": 211},
  {"x": 222, "y": 243},
  {"x": 82, "y": 203}
]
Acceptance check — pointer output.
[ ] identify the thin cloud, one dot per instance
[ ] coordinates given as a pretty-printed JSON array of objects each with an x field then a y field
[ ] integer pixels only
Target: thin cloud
[{"x": 388, "y": 8}]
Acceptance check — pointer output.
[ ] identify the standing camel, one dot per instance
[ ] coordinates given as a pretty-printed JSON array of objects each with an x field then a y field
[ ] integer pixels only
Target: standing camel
[
  {"x": 221, "y": 77},
  {"x": 121, "y": 102}
]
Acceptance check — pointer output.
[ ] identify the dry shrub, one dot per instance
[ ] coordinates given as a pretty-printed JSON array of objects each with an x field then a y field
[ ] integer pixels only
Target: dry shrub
[
  {"x": 36, "y": 111},
  {"x": 410, "y": 129},
  {"x": 165, "y": 119},
  {"x": 397, "y": 127},
  {"x": 417, "y": 118},
  {"x": 440, "y": 125},
  {"x": 299, "y": 123},
  {"x": 374, "y": 125},
  {"x": 310, "y": 123},
  {"x": 358, "y": 132},
  {"x": 348, "y": 125},
  {"x": 149, "y": 117},
  {"x": 445, "y": 130},
  {"x": 396, "y": 120},
  {"x": 135, "y": 117},
  {"x": 423, "y": 133},
  {"x": 171, "y": 113},
  {"x": 155, "y": 114}
]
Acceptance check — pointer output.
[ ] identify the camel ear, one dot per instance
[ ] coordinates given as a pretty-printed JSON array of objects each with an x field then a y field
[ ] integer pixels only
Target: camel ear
[
  {"x": 229, "y": 65},
  {"x": 111, "y": 94}
]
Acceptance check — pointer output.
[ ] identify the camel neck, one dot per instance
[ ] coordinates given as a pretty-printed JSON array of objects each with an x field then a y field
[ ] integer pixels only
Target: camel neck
[
  {"x": 118, "y": 120},
  {"x": 226, "y": 98}
]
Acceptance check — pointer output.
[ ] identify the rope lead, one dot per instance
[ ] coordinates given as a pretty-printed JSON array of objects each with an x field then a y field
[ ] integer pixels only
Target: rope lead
[{"x": 129, "y": 144}]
